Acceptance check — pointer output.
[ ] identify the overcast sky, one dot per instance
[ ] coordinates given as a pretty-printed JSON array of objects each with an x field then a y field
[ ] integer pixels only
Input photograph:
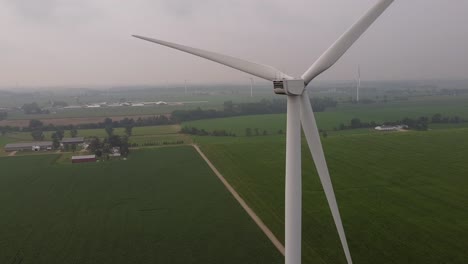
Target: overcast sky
[{"x": 87, "y": 42}]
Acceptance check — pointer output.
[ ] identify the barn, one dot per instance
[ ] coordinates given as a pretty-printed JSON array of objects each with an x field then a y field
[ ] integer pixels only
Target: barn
[
  {"x": 83, "y": 159},
  {"x": 41, "y": 145},
  {"x": 71, "y": 141}
]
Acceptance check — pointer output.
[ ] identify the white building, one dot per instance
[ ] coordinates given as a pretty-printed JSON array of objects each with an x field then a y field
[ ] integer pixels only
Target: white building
[{"x": 390, "y": 128}]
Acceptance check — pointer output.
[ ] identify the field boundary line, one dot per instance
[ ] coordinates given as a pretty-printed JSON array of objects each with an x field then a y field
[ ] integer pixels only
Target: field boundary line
[{"x": 244, "y": 205}]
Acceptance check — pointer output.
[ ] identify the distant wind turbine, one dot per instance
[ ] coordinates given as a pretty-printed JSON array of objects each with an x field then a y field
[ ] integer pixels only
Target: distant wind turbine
[
  {"x": 358, "y": 83},
  {"x": 299, "y": 111},
  {"x": 251, "y": 86}
]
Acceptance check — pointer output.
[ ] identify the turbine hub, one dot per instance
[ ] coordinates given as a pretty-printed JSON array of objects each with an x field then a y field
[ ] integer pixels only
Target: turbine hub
[{"x": 289, "y": 86}]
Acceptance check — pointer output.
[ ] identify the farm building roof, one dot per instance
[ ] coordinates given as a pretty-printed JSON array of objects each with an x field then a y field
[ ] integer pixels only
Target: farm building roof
[
  {"x": 29, "y": 144},
  {"x": 83, "y": 157},
  {"x": 73, "y": 140}
]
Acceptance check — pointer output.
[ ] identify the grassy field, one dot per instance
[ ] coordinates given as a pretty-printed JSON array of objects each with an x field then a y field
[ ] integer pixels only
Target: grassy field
[
  {"x": 147, "y": 209},
  {"x": 402, "y": 196},
  {"x": 331, "y": 119}
]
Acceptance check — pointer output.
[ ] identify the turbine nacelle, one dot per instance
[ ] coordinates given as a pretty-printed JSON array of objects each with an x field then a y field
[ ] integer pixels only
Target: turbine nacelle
[{"x": 289, "y": 86}]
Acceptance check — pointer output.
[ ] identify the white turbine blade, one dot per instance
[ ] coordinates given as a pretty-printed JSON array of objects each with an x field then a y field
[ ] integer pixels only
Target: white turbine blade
[
  {"x": 313, "y": 139},
  {"x": 338, "y": 48},
  {"x": 259, "y": 70}
]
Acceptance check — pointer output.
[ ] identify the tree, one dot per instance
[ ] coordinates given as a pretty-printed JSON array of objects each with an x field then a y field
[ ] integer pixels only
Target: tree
[
  {"x": 320, "y": 104},
  {"x": 109, "y": 130},
  {"x": 124, "y": 148},
  {"x": 437, "y": 118},
  {"x": 128, "y": 130},
  {"x": 257, "y": 132},
  {"x": 324, "y": 134},
  {"x": 456, "y": 119},
  {"x": 55, "y": 141},
  {"x": 3, "y": 131},
  {"x": 32, "y": 108},
  {"x": 95, "y": 145},
  {"x": 248, "y": 132},
  {"x": 73, "y": 132},
  {"x": 114, "y": 141},
  {"x": 60, "y": 133},
  {"x": 228, "y": 106},
  {"x": 34, "y": 124},
  {"x": 73, "y": 147},
  {"x": 355, "y": 123},
  {"x": 37, "y": 135}
]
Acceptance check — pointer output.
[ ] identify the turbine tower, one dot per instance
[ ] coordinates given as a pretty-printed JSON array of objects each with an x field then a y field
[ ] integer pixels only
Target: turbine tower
[{"x": 299, "y": 111}]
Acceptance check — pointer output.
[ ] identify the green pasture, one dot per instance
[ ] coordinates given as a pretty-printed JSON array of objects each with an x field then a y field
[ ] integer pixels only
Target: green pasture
[
  {"x": 333, "y": 117},
  {"x": 402, "y": 196},
  {"x": 161, "y": 139},
  {"x": 147, "y": 209}
]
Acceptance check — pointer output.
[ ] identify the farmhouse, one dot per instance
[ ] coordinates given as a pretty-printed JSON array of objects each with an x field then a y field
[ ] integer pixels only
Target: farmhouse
[
  {"x": 36, "y": 146},
  {"x": 70, "y": 141},
  {"x": 83, "y": 159}
]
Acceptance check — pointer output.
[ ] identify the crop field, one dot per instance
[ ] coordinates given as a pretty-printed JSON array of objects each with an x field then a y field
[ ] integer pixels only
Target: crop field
[
  {"x": 330, "y": 119},
  {"x": 147, "y": 209},
  {"x": 402, "y": 196}
]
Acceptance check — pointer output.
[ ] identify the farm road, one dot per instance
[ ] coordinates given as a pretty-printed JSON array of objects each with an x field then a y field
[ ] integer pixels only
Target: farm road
[{"x": 244, "y": 205}]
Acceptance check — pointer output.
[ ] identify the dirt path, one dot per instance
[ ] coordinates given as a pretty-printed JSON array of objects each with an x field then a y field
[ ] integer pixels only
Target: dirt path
[
  {"x": 12, "y": 153},
  {"x": 244, "y": 205}
]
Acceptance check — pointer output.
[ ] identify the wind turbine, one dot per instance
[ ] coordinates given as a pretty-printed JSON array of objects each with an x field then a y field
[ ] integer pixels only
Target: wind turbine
[{"x": 299, "y": 111}]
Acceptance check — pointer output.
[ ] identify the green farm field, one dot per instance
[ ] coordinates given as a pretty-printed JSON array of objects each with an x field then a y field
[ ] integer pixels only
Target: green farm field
[
  {"x": 147, "y": 209},
  {"x": 330, "y": 119},
  {"x": 402, "y": 195}
]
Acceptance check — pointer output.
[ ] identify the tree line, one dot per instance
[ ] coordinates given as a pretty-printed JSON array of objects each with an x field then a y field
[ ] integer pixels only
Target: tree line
[
  {"x": 35, "y": 125},
  {"x": 249, "y": 132},
  {"x": 230, "y": 108},
  {"x": 33, "y": 108}
]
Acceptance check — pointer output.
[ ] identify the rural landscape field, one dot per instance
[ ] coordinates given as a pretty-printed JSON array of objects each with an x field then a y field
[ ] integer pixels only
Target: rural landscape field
[
  {"x": 402, "y": 194},
  {"x": 146, "y": 209},
  {"x": 402, "y": 199},
  {"x": 243, "y": 132}
]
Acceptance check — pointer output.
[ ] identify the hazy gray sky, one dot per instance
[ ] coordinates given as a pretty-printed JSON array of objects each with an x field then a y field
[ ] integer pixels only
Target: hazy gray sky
[{"x": 87, "y": 42}]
